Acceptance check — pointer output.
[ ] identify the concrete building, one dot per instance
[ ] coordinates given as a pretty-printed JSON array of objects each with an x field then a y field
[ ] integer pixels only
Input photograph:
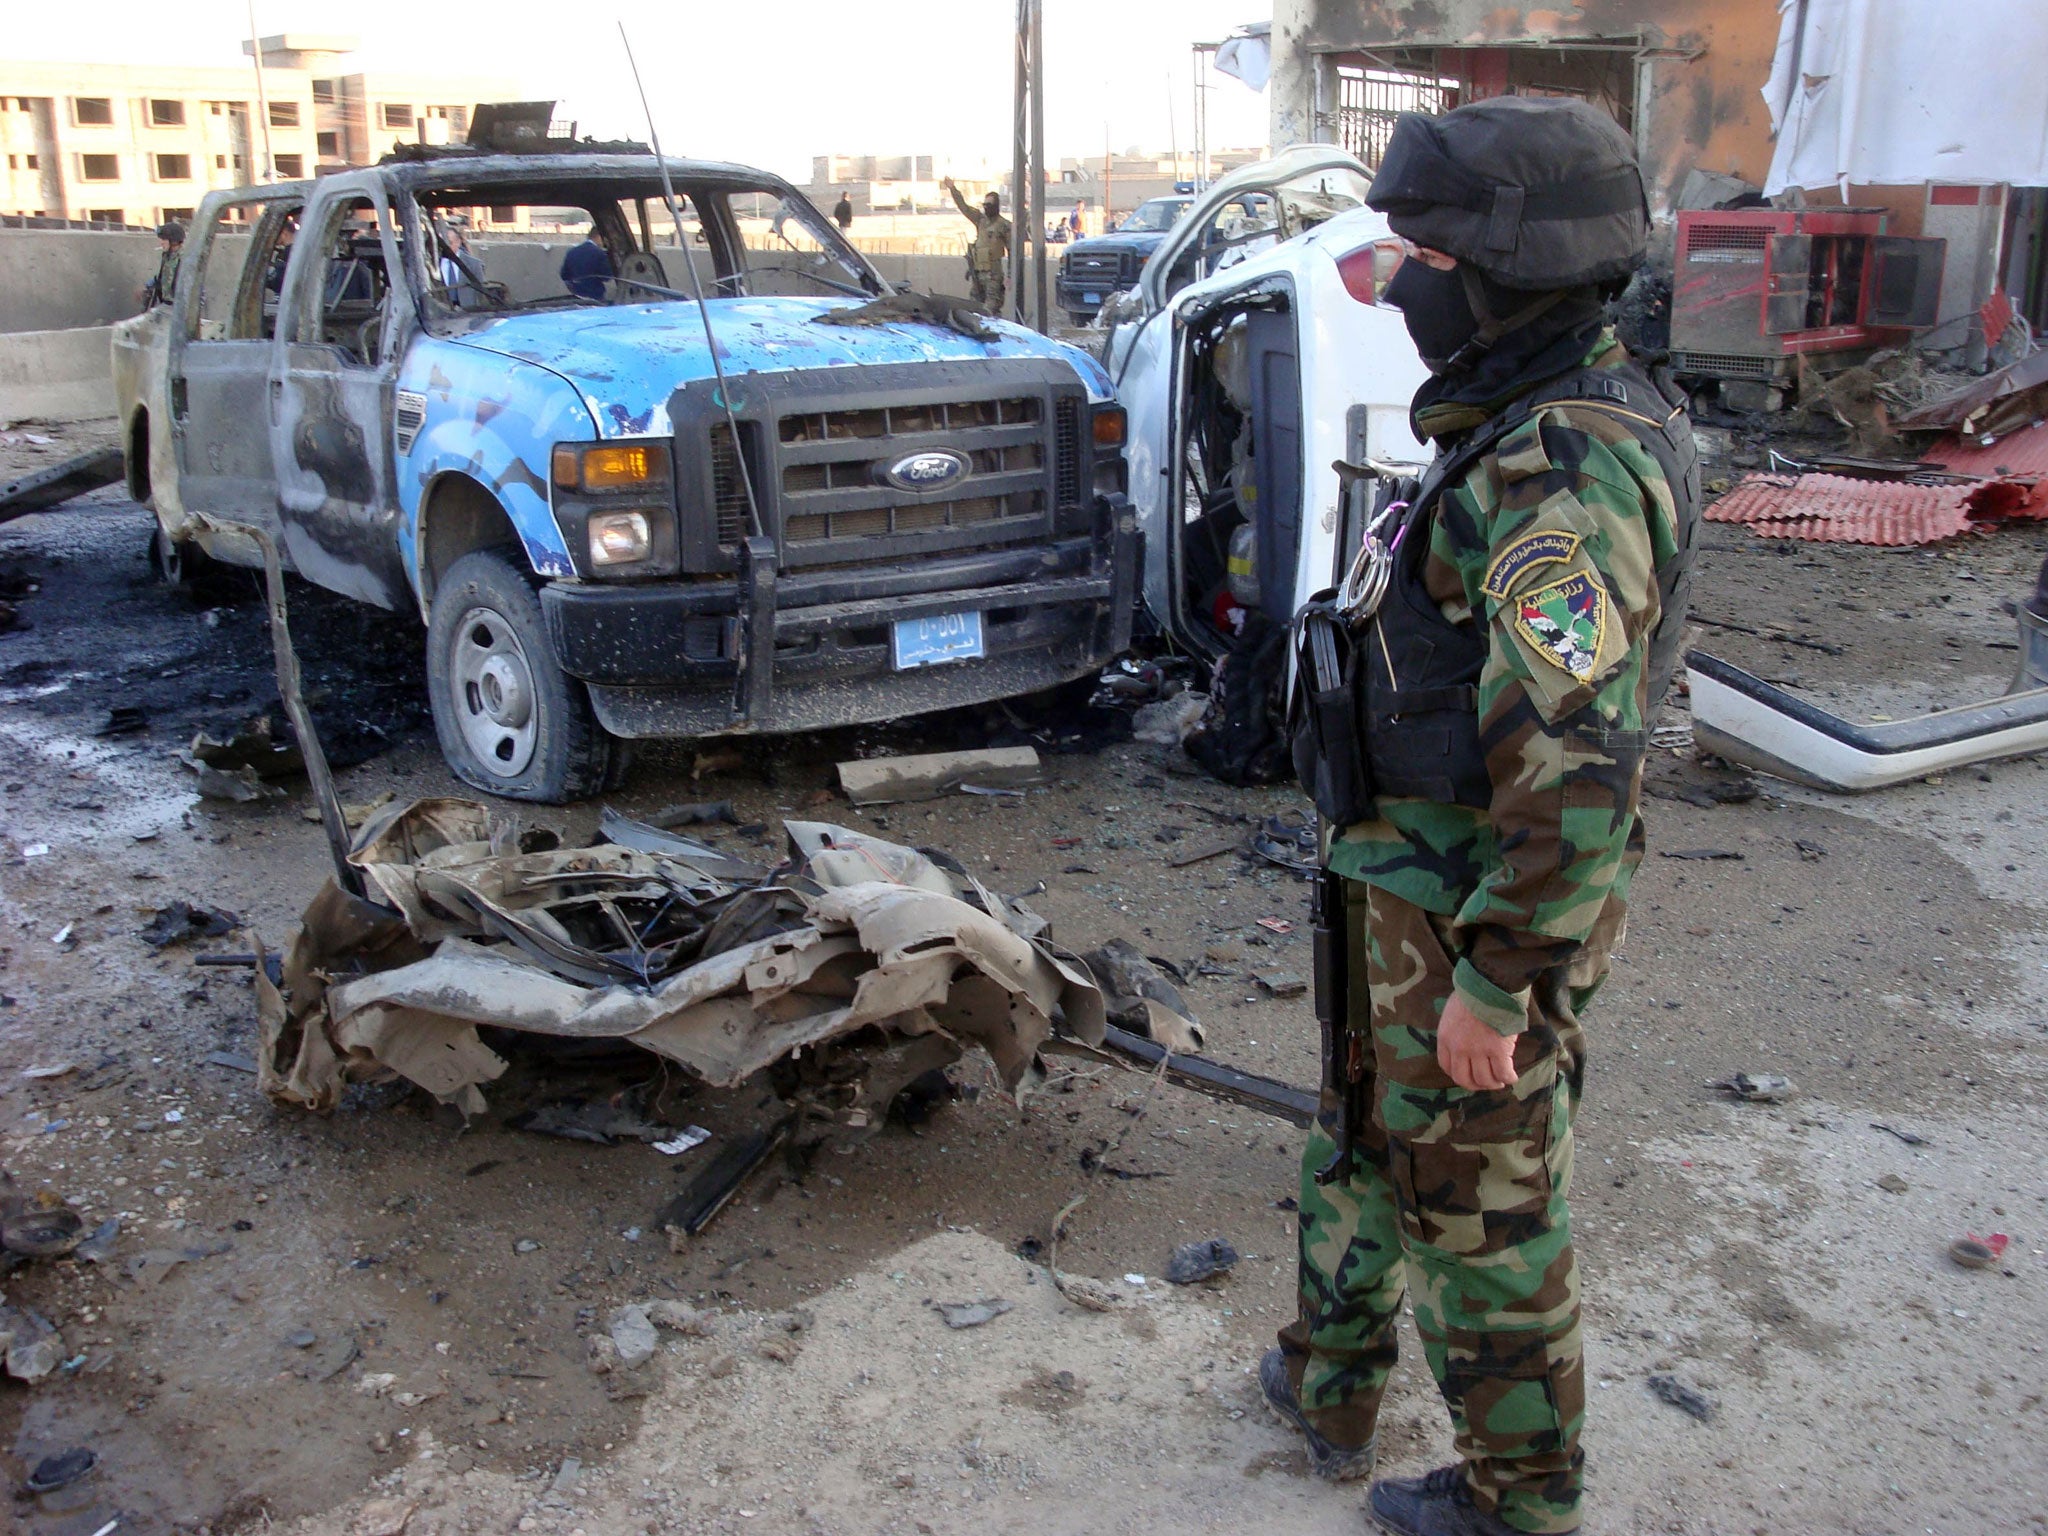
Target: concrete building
[
  {"x": 890, "y": 193},
  {"x": 137, "y": 144},
  {"x": 1685, "y": 77}
]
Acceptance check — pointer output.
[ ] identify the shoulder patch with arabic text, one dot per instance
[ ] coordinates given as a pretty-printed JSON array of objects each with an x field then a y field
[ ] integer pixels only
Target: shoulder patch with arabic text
[
  {"x": 1551, "y": 547},
  {"x": 1565, "y": 623}
]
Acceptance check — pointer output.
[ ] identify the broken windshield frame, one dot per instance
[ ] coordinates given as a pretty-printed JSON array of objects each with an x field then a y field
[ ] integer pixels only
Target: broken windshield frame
[{"x": 728, "y": 220}]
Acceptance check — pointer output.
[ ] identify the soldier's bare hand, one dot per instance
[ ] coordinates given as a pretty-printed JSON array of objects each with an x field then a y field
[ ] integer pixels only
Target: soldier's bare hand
[{"x": 1475, "y": 1055}]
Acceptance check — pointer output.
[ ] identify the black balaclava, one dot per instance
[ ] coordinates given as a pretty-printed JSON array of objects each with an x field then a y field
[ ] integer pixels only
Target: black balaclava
[
  {"x": 1442, "y": 320},
  {"x": 1434, "y": 308}
]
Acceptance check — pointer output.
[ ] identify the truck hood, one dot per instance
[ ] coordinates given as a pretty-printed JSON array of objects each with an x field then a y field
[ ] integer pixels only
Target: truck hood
[{"x": 628, "y": 359}]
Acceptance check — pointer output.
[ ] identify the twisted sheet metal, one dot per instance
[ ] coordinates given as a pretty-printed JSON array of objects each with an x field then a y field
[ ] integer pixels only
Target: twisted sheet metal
[{"x": 2021, "y": 455}]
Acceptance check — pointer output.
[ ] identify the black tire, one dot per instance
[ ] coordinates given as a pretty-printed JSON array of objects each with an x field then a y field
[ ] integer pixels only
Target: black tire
[
  {"x": 491, "y": 674},
  {"x": 180, "y": 563}
]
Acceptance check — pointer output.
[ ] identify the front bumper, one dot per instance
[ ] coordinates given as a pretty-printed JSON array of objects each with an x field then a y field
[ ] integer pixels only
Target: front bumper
[
  {"x": 1073, "y": 297},
  {"x": 673, "y": 659}
]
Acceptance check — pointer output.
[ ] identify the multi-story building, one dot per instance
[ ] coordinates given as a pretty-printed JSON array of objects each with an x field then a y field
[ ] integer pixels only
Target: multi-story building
[{"x": 139, "y": 144}]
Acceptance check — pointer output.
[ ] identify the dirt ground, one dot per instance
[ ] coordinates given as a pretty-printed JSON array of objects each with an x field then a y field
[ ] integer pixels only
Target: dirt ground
[{"x": 1786, "y": 1261}]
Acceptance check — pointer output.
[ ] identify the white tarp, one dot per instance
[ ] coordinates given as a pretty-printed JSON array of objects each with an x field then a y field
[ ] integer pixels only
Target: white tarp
[
  {"x": 1247, "y": 54},
  {"x": 1900, "y": 92}
]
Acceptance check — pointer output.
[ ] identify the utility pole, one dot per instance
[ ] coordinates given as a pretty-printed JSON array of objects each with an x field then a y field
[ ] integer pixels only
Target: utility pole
[
  {"x": 1019, "y": 154},
  {"x": 1108, "y": 178},
  {"x": 262, "y": 101},
  {"x": 1172, "y": 128},
  {"x": 1028, "y": 165},
  {"x": 1038, "y": 283}
]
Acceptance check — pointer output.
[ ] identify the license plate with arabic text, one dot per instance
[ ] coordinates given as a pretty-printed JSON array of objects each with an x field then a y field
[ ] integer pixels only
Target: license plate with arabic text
[{"x": 940, "y": 638}]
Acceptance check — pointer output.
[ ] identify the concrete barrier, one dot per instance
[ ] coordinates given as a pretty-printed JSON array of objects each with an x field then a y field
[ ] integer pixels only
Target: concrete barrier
[
  {"x": 57, "y": 375},
  {"x": 56, "y": 279}
]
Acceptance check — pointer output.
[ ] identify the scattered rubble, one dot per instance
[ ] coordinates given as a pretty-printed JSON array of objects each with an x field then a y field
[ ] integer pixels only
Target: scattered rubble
[
  {"x": 182, "y": 922},
  {"x": 39, "y": 1226},
  {"x": 632, "y": 1336},
  {"x": 1192, "y": 1263},
  {"x": 33, "y": 1346},
  {"x": 1974, "y": 1252},
  {"x": 61, "y": 1470},
  {"x": 927, "y": 776},
  {"x": 1687, "y": 1400},
  {"x": 1757, "y": 1087},
  {"x": 972, "y": 1314}
]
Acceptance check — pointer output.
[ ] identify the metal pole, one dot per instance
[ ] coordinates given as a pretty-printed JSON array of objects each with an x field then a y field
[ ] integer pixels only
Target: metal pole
[
  {"x": 1040, "y": 308},
  {"x": 1108, "y": 177},
  {"x": 262, "y": 100},
  {"x": 1172, "y": 127},
  {"x": 1018, "y": 152},
  {"x": 675, "y": 212}
]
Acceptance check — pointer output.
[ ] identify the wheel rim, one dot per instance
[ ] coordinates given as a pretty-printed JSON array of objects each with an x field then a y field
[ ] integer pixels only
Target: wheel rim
[{"x": 492, "y": 687}]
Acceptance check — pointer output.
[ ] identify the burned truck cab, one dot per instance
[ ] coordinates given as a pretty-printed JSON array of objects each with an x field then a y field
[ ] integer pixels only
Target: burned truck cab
[{"x": 484, "y": 387}]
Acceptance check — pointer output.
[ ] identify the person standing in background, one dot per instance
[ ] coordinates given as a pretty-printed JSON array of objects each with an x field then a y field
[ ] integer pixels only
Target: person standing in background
[
  {"x": 988, "y": 258},
  {"x": 163, "y": 288}
]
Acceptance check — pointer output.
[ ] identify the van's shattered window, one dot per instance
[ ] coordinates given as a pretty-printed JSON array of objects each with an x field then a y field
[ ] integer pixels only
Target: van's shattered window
[{"x": 569, "y": 244}]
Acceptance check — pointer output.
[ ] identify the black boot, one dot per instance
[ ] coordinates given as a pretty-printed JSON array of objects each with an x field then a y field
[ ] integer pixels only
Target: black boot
[
  {"x": 1332, "y": 1463},
  {"x": 1437, "y": 1503}
]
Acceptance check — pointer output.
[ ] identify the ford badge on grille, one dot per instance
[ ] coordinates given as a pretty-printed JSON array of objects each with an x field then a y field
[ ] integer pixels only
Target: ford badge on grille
[{"x": 929, "y": 469}]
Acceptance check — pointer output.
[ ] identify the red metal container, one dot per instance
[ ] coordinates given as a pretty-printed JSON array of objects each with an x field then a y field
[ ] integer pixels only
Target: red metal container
[{"x": 1754, "y": 288}]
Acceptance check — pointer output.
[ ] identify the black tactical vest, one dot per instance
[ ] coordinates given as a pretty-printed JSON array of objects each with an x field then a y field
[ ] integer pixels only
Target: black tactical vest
[{"x": 1417, "y": 676}]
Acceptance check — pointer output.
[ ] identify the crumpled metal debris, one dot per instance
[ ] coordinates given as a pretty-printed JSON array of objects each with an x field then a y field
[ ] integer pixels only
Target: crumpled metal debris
[
  {"x": 852, "y": 946},
  {"x": 906, "y": 306},
  {"x": 1139, "y": 997}
]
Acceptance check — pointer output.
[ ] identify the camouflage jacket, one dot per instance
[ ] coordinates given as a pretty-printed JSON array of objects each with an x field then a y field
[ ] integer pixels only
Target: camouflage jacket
[
  {"x": 1552, "y": 542},
  {"x": 990, "y": 248}
]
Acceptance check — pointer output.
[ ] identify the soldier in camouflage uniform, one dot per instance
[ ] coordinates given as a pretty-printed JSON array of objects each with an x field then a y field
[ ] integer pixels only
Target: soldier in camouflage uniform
[
  {"x": 988, "y": 258},
  {"x": 1483, "y": 899}
]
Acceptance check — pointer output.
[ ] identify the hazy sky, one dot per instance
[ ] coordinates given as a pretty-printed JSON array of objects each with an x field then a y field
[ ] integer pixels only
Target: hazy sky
[{"x": 770, "y": 82}]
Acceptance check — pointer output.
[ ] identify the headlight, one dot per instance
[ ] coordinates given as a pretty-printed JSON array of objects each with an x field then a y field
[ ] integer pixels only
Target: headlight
[
  {"x": 609, "y": 466},
  {"x": 620, "y": 538},
  {"x": 1109, "y": 426}
]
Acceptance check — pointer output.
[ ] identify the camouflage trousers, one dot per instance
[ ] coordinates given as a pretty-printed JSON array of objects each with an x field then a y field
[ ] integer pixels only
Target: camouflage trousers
[
  {"x": 1455, "y": 1197},
  {"x": 988, "y": 289}
]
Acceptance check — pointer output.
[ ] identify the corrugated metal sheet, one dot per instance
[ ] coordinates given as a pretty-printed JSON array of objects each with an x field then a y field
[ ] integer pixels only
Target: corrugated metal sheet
[
  {"x": 1848, "y": 510},
  {"x": 1838, "y": 509},
  {"x": 2021, "y": 455}
]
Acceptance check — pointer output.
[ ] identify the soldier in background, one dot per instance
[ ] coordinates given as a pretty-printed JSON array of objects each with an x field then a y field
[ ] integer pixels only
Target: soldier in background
[
  {"x": 163, "y": 288},
  {"x": 988, "y": 258},
  {"x": 1505, "y": 688}
]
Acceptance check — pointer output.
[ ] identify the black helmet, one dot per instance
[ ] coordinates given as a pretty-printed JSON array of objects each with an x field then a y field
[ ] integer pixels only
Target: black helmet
[
  {"x": 1535, "y": 192},
  {"x": 173, "y": 232}
]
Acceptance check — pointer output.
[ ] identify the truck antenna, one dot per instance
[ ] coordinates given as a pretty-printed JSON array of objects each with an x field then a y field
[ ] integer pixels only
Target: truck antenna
[{"x": 675, "y": 212}]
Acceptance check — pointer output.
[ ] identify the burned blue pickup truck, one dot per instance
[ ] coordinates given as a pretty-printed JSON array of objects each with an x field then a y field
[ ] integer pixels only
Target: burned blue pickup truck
[{"x": 867, "y": 505}]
